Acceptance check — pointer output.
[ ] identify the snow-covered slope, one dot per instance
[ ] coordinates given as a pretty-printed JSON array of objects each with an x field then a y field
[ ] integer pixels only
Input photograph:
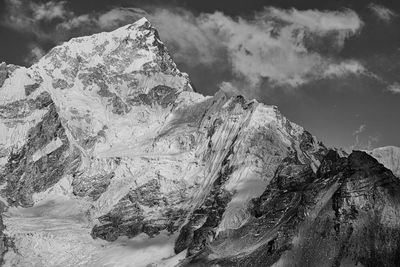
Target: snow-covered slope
[
  {"x": 109, "y": 158},
  {"x": 388, "y": 156},
  {"x": 109, "y": 124}
]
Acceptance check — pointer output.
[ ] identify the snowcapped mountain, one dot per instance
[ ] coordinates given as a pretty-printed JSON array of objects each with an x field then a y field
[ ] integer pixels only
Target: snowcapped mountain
[
  {"x": 109, "y": 158},
  {"x": 388, "y": 156}
]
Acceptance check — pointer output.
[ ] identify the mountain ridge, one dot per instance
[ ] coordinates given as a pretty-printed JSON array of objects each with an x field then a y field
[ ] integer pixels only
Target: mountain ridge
[{"x": 105, "y": 146}]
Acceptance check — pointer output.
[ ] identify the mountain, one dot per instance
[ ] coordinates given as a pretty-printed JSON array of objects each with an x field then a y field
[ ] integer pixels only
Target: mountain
[
  {"x": 108, "y": 157},
  {"x": 388, "y": 156}
]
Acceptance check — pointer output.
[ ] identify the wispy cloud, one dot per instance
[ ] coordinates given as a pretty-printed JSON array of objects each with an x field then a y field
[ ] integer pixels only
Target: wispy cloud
[
  {"x": 360, "y": 130},
  {"x": 394, "y": 88},
  {"x": 54, "y": 22},
  {"x": 382, "y": 12},
  {"x": 344, "y": 68},
  {"x": 369, "y": 141}
]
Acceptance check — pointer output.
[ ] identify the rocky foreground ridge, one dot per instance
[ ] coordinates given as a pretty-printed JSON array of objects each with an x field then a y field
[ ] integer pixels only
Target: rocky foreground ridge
[{"x": 109, "y": 158}]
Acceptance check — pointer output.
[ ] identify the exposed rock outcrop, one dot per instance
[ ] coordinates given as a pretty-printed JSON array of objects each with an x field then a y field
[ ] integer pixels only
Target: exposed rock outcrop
[{"x": 345, "y": 214}]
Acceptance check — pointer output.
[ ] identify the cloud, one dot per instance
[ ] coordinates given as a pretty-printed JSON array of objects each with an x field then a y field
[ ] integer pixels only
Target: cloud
[
  {"x": 109, "y": 20},
  {"x": 360, "y": 130},
  {"x": 31, "y": 17},
  {"x": 54, "y": 22},
  {"x": 357, "y": 134},
  {"x": 369, "y": 140},
  {"x": 229, "y": 88},
  {"x": 35, "y": 53},
  {"x": 272, "y": 46},
  {"x": 275, "y": 46},
  {"x": 394, "y": 88},
  {"x": 343, "y": 23},
  {"x": 344, "y": 68},
  {"x": 115, "y": 17},
  {"x": 382, "y": 12},
  {"x": 49, "y": 11}
]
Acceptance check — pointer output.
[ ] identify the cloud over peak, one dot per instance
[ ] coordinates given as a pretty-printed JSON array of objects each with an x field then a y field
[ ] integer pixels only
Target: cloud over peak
[
  {"x": 382, "y": 12},
  {"x": 277, "y": 46}
]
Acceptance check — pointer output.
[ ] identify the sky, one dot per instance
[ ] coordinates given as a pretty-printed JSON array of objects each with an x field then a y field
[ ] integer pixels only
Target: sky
[{"x": 330, "y": 66}]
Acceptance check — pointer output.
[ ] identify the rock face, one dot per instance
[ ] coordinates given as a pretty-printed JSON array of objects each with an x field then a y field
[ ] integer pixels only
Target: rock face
[
  {"x": 109, "y": 158},
  {"x": 388, "y": 156},
  {"x": 347, "y": 213}
]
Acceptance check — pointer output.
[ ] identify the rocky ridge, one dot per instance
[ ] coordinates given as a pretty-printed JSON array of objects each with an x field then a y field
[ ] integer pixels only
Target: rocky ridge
[{"x": 105, "y": 146}]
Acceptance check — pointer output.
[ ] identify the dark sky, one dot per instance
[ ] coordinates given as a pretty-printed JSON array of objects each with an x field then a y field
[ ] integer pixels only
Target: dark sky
[{"x": 356, "y": 110}]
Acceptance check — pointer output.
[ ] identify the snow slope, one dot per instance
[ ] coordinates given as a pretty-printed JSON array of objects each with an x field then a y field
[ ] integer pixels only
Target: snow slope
[{"x": 104, "y": 138}]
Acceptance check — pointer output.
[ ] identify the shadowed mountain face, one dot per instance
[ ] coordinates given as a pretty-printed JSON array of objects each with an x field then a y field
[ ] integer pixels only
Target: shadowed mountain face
[
  {"x": 347, "y": 213},
  {"x": 109, "y": 158}
]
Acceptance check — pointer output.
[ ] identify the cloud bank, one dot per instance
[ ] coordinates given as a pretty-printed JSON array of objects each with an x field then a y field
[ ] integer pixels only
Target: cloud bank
[{"x": 276, "y": 46}]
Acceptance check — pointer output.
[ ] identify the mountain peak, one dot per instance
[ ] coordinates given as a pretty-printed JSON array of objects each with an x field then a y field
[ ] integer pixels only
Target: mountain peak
[
  {"x": 142, "y": 21},
  {"x": 99, "y": 81},
  {"x": 134, "y": 48}
]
